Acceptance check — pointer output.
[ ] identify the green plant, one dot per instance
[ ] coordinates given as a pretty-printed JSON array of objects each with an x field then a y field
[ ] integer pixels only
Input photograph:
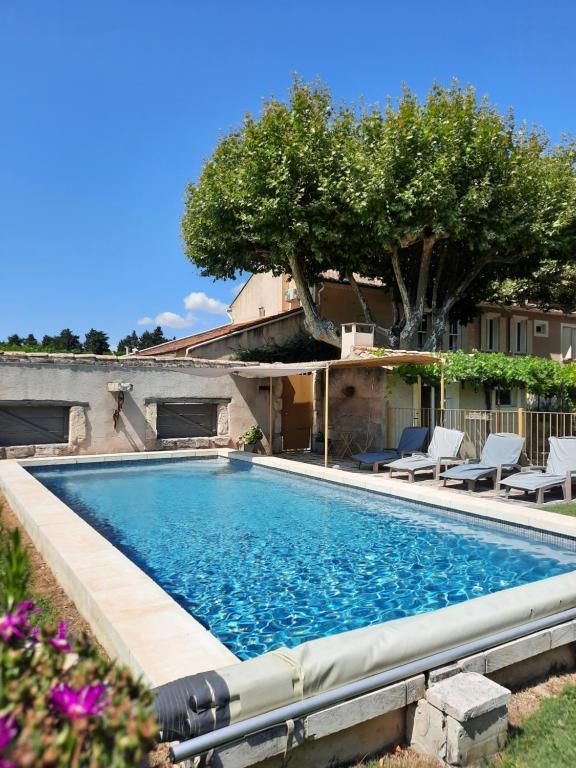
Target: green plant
[
  {"x": 489, "y": 370},
  {"x": 14, "y": 569},
  {"x": 252, "y": 435},
  {"x": 437, "y": 198},
  {"x": 61, "y": 704}
]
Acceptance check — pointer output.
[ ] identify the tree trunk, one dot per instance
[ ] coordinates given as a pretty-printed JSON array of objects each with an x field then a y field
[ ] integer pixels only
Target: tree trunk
[
  {"x": 434, "y": 341},
  {"x": 386, "y": 333},
  {"x": 317, "y": 326}
]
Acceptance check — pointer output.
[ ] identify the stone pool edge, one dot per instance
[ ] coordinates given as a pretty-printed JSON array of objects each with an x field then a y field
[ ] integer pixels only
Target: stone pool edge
[
  {"x": 133, "y": 618},
  {"x": 513, "y": 513}
]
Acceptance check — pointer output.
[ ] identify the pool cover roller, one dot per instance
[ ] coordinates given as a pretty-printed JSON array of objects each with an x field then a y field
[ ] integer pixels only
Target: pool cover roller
[{"x": 201, "y": 703}]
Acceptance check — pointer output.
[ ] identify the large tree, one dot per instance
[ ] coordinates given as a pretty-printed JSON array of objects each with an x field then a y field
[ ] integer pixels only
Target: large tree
[
  {"x": 436, "y": 198},
  {"x": 96, "y": 342}
]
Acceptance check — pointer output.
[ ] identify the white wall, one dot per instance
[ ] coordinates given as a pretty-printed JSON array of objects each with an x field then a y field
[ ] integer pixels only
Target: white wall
[{"x": 83, "y": 384}]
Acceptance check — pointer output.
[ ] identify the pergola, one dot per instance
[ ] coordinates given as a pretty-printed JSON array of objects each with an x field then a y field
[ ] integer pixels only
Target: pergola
[{"x": 391, "y": 359}]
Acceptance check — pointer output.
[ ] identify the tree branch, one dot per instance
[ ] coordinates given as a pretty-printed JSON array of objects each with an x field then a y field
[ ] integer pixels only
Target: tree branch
[
  {"x": 401, "y": 283},
  {"x": 319, "y": 327},
  {"x": 427, "y": 246},
  {"x": 368, "y": 318}
]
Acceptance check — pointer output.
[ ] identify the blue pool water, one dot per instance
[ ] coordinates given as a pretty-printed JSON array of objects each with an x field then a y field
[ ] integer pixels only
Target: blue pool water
[{"x": 264, "y": 558}]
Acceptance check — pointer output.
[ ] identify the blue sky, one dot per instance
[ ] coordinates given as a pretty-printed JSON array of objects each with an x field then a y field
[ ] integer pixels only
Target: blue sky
[{"x": 109, "y": 107}]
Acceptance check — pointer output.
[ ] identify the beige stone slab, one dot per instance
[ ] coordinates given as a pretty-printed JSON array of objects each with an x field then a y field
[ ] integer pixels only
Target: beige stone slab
[
  {"x": 350, "y": 713},
  {"x": 517, "y": 650},
  {"x": 563, "y": 634},
  {"x": 134, "y": 619}
]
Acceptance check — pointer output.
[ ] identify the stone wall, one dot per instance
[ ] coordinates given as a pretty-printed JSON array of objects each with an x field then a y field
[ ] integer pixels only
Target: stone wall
[{"x": 81, "y": 382}]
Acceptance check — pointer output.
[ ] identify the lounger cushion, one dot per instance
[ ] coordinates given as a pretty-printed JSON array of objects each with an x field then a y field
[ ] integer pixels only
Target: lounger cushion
[
  {"x": 413, "y": 462},
  {"x": 468, "y": 472},
  {"x": 371, "y": 458},
  {"x": 498, "y": 450},
  {"x": 411, "y": 439},
  {"x": 532, "y": 481}
]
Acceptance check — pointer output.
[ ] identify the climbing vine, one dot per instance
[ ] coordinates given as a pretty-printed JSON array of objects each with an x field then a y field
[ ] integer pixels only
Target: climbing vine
[{"x": 487, "y": 370}]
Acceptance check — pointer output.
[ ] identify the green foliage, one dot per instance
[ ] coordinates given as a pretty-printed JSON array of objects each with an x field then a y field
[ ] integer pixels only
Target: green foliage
[
  {"x": 552, "y": 285},
  {"x": 151, "y": 338},
  {"x": 96, "y": 342},
  {"x": 252, "y": 435},
  {"x": 61, "y": 704},
  {"x": 14, "y": 569},
  {"x": 301, "y": 348},
  {"x": 488, "y": 370},
  {"x": 438, "y": 198},
  {"x": 129, "y": 343},
  {"x": 547, "y": 738}
]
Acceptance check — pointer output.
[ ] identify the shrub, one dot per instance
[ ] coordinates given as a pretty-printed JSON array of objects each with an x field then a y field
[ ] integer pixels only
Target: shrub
[
  {"x": 252, "y": 435},
  {"x": 61, "y": 704}
]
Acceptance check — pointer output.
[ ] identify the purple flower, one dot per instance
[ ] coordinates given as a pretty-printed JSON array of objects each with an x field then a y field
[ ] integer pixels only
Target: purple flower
[
  {"x": 6, "y": 764},
  {"x": 8, "y": 729},
  {"x": 60, "y": 641},
  {"x": 17, "y": 624},
  {"x": 82, "y": 703}
]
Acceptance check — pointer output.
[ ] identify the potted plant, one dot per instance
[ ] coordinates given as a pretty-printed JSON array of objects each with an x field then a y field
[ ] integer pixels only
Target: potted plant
[
  {"x": 250, "y": 439},
  {"x": 319, "y": 442}
]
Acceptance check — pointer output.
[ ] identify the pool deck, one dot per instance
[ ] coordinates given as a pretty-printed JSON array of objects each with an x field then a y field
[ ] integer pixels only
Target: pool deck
[{"x": 140, "y": 624}]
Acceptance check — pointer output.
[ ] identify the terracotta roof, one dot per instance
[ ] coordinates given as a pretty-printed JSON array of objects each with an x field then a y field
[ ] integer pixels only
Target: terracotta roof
[{"x": 214, "y": 333}]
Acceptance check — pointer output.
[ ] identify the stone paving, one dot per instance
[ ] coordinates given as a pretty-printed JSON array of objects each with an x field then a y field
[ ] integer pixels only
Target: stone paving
[{"x": 484, "y": 488}]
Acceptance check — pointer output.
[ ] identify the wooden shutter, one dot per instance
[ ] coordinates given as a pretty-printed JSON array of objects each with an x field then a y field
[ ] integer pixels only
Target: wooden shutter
[
  {"x": 186, "y": 420},
  {"x": 33, "y": 424}
]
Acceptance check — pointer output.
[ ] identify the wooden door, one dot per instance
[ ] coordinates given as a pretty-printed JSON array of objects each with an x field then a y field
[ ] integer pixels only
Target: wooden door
[{"x": 297, "y": 412}]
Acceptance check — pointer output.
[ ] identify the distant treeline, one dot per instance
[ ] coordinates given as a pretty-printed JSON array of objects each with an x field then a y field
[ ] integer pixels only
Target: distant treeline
[{"x": 95, "y": 342}]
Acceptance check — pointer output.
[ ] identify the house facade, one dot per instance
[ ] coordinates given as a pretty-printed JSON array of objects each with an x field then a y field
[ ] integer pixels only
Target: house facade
[{"x": 521, "y": 330}]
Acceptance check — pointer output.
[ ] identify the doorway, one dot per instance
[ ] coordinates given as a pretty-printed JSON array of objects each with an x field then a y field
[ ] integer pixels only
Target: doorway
[{"x": 297, "y": 412}]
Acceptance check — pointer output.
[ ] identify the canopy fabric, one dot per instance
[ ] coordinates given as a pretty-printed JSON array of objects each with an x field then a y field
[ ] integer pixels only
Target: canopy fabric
[{"x": 276, "y": 370}]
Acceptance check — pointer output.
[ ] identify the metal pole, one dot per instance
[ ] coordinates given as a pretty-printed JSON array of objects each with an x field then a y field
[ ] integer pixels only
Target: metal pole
[
  {"x": 442, "y": 387},
  {"x": 326, "y": 411},
  {"x": 270, "y": 419},
  {"x": 214, "y": 739}
]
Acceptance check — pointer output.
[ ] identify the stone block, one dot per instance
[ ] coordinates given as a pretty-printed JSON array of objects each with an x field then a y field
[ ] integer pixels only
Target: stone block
[
  {"x": 475, "y": 739},
  {"x": 563, "y": 634},
  {"x": 467, "y": 695},
  {"x": 476, "y": 663},
  {"x": 20, "y": 452},
  {"x": 223, "y": 421},
  {"x": 463, "y": 719},
  {"x": 358, "y": 710},
  {"x": 436, "y": 675},
  {"x": 425, "y": 730},
  {"x": 518, "y": 650}
]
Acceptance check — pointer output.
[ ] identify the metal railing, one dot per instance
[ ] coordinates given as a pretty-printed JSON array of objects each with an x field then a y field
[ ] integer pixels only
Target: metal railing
[{"x": 535, "y": 426}]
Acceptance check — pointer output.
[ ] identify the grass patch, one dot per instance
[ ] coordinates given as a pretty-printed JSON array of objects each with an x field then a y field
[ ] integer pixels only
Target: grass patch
[
  {"x": 567, "y": 508},
  {"x": 547, "y": 738}
]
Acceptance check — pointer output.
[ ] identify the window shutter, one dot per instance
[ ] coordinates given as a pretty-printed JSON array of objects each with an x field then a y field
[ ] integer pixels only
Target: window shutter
[
  {"x": 483, "y": 333},
  {"x": 502, "y": 335},
  {"x": 529, "y": 335}
]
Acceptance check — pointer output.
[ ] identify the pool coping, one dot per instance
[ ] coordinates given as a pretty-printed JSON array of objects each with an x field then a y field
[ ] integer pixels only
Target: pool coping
[{"x": 133, "y": 618}]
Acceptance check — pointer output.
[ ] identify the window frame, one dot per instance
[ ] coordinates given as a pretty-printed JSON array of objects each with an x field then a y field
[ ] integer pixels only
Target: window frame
[
  {"x": 489, "y": 318},
  {"x": 544, "y": 334},
  {"x": 518, "y": 323},
  {"x": 211, "y": 430},
  {"x": 572, "y": 328}
]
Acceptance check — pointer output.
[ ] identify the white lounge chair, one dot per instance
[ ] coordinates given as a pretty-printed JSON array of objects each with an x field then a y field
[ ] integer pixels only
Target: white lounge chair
[
  {"x": 559, "y": 471},
  {"x": 501, "y": 451},
  {"x": 442, "y": 451}
]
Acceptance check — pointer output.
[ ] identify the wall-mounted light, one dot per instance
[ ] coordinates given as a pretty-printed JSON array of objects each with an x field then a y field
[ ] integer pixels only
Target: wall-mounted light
[{"x": 119, "y": 388}]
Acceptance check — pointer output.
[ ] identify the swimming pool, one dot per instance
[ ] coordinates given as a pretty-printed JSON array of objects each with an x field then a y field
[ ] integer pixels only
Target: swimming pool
[{"x": 265, "y": 558}]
